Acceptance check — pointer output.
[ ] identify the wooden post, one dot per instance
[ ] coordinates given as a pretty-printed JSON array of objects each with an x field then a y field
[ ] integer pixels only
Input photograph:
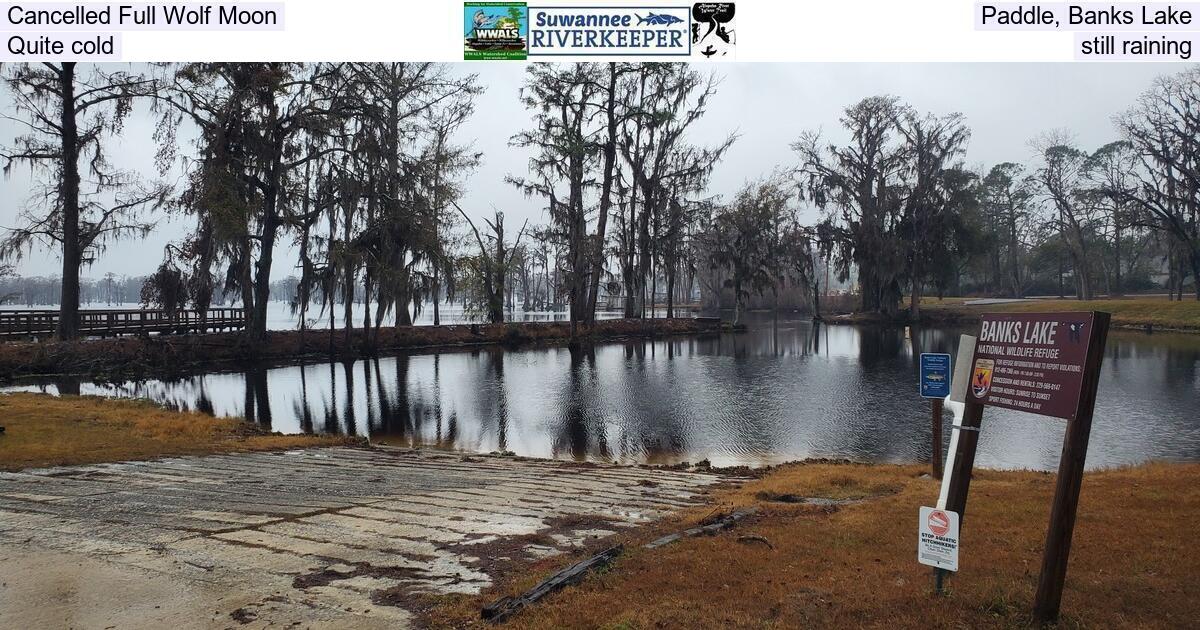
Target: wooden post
[
  {"x": 1070, "y": 478},
  {"x": 937, "y": 438},
  {"x": 964, "y": 460}
]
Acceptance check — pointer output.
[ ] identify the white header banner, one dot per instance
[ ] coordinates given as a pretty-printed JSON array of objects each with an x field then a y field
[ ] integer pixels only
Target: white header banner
[{"x": 442, "y": 30}]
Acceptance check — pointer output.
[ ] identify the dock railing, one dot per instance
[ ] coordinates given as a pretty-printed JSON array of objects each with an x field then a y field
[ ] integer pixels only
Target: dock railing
[{"x": 25, "y": 324}]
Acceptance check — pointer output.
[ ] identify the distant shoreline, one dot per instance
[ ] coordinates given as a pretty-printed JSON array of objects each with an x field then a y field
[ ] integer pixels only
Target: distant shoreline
[{"x": 1140, "y": 314}]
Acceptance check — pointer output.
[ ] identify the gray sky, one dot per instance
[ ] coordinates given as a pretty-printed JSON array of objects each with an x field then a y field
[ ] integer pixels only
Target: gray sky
[{"x": 768, "y": 104}]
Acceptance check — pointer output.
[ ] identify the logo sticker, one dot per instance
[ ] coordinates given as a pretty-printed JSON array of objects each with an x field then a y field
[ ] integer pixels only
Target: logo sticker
[
  {"x": 981, "y": 377},
  {"x": 587, "y": 31},
  {"x": 713, "y": 35},
  {"x": 495, "y": 30}
]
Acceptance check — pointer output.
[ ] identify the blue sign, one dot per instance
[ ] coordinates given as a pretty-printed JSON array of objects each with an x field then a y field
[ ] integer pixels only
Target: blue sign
[{"x": 935, "y": 375}]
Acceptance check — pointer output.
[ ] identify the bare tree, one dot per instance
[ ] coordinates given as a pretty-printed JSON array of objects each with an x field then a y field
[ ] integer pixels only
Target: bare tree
[
  {"x": 67, "y": 117},
  {"x": 488, "y": 272},
  {"x": 1006, "y": 197},
  {"x": 1164, "y": 130},
  {"x": 1060, "y": 178},
  {"x": 260, "y": 125},
  {"x": 1111, "y": 172}
]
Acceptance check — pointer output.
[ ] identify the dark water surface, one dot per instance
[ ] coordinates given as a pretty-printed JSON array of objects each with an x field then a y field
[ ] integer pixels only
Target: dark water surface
[{"x": 782, "y": 391}]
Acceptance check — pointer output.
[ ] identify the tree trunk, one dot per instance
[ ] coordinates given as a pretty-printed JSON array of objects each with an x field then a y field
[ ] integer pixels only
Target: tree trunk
[
  {"x": 1061, "y": 286},
  {"x": 670, "y": 291},
  {"x": 914, "y": 301},
  {"x": 1195, "y": 274},
  {"x": 68, "y": 313},
  {"x": 367, "y": 280},
  {"x": 262, "y": 280},
  {"x": 1117, "y": 288},
  {"x": 437, "y": 297},
  {"x": 606, "y": 185}
]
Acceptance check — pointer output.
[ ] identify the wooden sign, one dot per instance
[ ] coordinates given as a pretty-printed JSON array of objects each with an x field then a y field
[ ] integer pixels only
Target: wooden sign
[
  {"x": 1032, "y": 362},
  {"x": 1048, "y": 364}
]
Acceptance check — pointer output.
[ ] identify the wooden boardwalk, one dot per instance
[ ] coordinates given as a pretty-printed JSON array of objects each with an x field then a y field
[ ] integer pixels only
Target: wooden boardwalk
[{"x": 117, "y": 322}]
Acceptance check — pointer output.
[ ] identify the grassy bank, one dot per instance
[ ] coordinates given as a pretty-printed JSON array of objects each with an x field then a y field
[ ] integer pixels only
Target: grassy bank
[
  {"x": 165, "y": 355},
  {"x": 1158, "y": 313},
  {"x": 1134, "y": 562},
  {"x": 1133, "y": 313},
  {"x": 42, "y": 430}
]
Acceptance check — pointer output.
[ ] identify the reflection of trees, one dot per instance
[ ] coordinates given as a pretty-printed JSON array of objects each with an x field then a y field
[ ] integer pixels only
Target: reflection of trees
[
  {"x": 257, "y": 403},
  {"x": 385, "y": 404},
  {"x": 300, "y": 406},
  {"x": 878, "y": 345},
  {"x": 658, "y": 427},
  {"x": 349, "y": 421},
  {"x": 329, "y": 407},
  {"x": 448, "y": 439},
  {"x": 1179, "y": 369},
  {"x": 204, "y": 403},
  {"x": 395, "y": 419},
  {"x": 578, "y": 398},
  {"x": 67, "y": 385},
  {"x": 496, "y": 362}
]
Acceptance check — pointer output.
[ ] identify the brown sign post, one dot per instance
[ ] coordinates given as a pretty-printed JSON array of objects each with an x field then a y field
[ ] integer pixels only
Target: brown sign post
[{"x": 1048, "y": 364}]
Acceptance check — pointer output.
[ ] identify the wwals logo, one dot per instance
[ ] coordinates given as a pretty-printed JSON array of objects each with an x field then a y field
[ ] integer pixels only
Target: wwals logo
[{"x": 495, "y": 30}]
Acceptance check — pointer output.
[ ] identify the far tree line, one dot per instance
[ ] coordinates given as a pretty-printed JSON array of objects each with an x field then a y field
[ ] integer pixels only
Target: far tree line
[{"x": 360, "y": 167}]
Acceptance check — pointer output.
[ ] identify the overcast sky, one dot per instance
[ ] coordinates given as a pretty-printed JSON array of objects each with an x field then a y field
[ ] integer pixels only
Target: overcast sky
[{"x": 769, "y": 105}]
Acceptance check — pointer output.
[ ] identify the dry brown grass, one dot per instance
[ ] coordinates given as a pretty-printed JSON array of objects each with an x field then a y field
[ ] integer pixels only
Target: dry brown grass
[
  {"x": 45, "y": 430},
  {"x": 1134, "y": 561}
]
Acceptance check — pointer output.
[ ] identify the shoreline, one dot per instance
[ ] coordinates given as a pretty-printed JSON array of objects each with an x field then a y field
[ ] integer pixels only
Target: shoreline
[
  {"x": 107, "y": 422},
  {"x": 817, "y": 533},
  {"x": 178, "y": 355},
  {"x": 1128, "y": 314}
]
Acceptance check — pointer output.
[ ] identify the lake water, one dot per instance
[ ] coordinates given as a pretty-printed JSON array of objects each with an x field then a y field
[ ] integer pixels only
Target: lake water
[{"x": 781, "y": 391}]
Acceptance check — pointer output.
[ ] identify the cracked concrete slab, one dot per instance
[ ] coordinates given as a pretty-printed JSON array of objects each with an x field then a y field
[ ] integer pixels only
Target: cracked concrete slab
[{"x": 318, "y": 538}]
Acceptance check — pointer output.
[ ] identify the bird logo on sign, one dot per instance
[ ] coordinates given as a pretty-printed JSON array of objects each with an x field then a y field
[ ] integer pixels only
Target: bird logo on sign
[{"x": 981, "y": 377}]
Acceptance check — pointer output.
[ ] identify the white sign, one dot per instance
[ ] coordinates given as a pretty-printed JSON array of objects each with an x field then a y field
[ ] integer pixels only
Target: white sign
[{"x": 937, "y": 544}]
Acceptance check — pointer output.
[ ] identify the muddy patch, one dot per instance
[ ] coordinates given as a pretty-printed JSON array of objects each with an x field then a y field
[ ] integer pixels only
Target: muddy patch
[
  {"x": 331, "y": 574},
  {"x": 502, "y": 556}
]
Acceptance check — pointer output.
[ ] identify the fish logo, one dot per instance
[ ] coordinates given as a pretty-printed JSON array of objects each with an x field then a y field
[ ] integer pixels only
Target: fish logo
[
  {"x": 657, "y": 19},
  {"x": 981, "y": 377}
]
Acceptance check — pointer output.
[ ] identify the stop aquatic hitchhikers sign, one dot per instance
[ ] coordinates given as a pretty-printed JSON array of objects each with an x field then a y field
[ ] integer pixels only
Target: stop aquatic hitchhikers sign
[{"x": 937, "y": 543}]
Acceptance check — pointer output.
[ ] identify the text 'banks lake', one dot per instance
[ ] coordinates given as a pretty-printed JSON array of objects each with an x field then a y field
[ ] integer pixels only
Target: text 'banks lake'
[{"x": 784, "y": 390}]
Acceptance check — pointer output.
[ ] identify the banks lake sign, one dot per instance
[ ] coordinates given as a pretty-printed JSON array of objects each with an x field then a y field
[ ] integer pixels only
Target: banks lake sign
[
  {"x": 1031, "y": 362},
  {"x": 1042, "y": 363}
]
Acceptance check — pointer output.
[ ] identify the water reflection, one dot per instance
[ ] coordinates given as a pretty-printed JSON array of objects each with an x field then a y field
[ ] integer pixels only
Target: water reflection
[{"x": 787, "y": 389}]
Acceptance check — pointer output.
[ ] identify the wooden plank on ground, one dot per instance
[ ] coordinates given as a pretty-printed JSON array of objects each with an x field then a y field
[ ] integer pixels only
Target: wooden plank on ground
[{"x": 505, "y": 607}]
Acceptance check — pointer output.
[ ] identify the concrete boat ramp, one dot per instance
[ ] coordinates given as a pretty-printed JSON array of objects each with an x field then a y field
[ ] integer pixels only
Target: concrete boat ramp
[{"x": 315, "y": 538}]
